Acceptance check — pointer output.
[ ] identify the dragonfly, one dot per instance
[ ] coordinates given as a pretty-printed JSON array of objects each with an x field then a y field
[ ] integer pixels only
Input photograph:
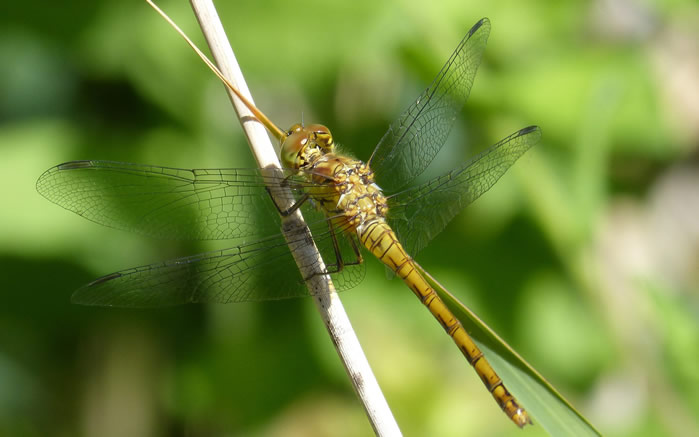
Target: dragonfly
[{"x": 349, "y": 204}]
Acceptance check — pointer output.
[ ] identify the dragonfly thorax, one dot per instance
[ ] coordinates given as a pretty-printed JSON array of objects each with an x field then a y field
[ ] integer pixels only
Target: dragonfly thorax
[
  {"x": 349, "y": 193},
  {"x": 345, "y": 186},
  {"x": 303, "y": 145}
]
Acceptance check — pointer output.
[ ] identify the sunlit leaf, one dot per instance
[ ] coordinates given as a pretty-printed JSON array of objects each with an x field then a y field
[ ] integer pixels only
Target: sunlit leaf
[{"x": 543, "y": 402}]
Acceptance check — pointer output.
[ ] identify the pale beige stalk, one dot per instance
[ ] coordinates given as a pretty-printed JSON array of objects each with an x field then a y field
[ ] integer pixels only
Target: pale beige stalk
[{"x": 327, "y": 301}]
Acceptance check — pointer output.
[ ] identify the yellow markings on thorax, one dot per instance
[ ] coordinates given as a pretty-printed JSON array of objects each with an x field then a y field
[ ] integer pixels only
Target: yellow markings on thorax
[{"x": 351, "y": 192}]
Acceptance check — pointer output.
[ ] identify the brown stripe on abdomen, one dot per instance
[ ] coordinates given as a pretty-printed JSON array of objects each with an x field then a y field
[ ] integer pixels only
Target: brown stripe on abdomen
[{"x": 382, "y": 242}]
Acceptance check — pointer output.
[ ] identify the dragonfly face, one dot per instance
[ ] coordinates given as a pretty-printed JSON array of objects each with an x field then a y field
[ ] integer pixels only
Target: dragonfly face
[{"x": 303, "y": 145}]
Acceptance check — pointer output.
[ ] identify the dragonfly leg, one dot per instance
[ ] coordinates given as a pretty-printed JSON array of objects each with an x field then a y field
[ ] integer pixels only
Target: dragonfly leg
[
  {"x": 285, "y": 212},
  {"x": 357, "y": 252},
  {"x": 340, "y": 262}
]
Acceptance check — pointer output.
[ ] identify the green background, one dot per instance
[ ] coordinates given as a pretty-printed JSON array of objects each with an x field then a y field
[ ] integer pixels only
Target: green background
[{"x": 584, "y": 257}]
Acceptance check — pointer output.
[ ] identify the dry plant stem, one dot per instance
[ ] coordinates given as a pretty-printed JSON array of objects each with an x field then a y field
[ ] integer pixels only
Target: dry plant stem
[{"x": 328, "y": 303}]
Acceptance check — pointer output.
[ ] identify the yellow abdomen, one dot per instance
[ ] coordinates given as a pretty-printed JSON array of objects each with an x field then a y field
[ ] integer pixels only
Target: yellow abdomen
[{"x": 381, "y": 241}]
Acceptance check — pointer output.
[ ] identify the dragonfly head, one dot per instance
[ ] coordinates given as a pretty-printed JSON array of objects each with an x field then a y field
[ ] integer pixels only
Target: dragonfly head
[{"x": 303, "y": 145}]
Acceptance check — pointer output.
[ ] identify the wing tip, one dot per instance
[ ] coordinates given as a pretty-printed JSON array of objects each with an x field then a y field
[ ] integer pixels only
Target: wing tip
[
  {"x": 530, "y": 129},
  {"x": 66, "y": 166},
  {"x": 86, "y": 295},
  {"x": 483, "y": 22},
  {"x": 75, "y": 165}
]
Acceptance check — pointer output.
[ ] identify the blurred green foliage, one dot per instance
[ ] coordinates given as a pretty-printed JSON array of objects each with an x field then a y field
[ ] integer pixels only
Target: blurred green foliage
[{"x": 584, "y": 257}]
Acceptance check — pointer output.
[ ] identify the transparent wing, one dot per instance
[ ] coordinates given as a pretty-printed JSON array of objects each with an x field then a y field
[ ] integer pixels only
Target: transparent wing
[
  {"x": 262, "y": 270},
  {"x": 415, "y": 138},
  {"x": 417, "y": 215},
  {"x": 206, "y": 204}
]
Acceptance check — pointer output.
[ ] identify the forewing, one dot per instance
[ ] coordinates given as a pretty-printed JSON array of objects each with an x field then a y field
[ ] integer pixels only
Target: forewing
[
  {"x": 417, "y": 215},
  {"x": 415, "y": 138},
  {"x": 208, "y": 204}
]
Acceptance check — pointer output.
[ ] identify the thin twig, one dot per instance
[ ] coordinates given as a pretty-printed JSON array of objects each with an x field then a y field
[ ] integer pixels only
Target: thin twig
[{"x": 326, "y": 299}]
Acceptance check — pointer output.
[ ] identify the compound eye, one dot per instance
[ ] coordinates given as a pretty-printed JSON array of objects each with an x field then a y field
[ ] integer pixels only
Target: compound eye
[
  {"x": 319, "y": 129},
  {"x": 291, "y": 149},
  {"x": 295, "y": 128},
  {"x": 322, "y": 136}
]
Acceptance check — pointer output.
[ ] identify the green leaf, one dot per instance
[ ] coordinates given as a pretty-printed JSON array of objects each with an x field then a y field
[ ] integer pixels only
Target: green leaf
[{"x": 543, "y": 402}]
